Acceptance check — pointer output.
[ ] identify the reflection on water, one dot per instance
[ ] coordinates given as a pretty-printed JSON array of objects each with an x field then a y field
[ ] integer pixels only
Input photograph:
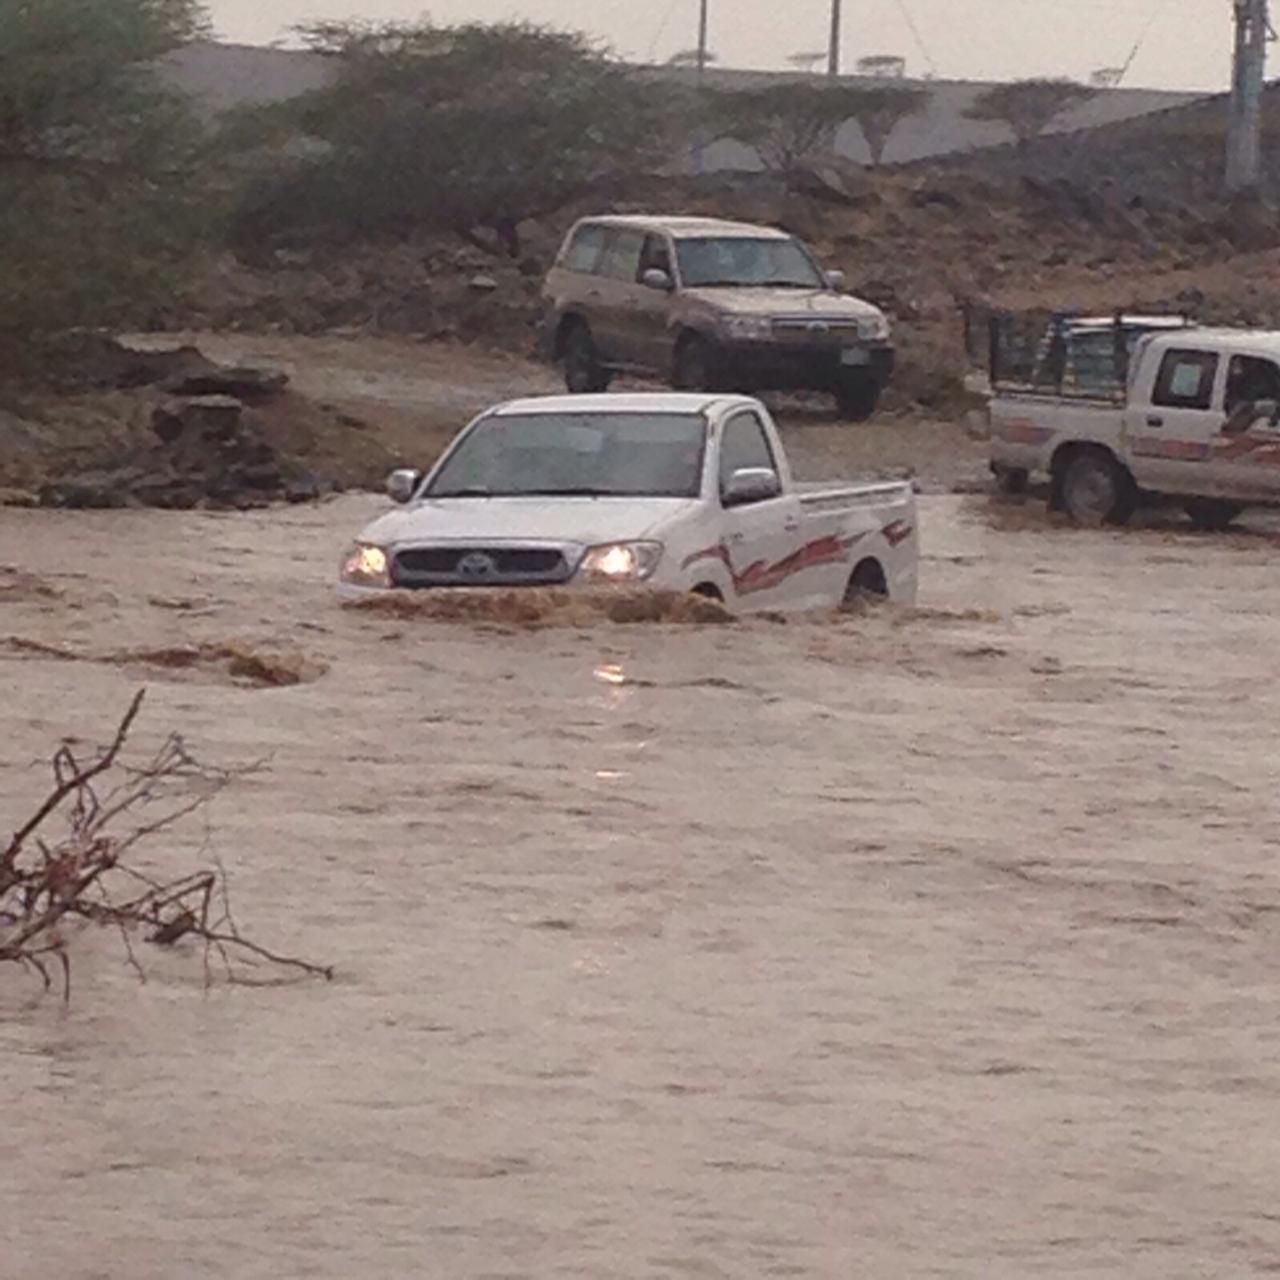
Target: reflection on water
[{"x": 885, "y": 946}]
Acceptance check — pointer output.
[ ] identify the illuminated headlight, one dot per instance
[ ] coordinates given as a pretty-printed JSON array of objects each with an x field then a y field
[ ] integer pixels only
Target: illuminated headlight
[
  {"x": 874, "y": 328},
  {"x": 748, "y": 328},
  {"x": 366, "y": 566},
  {"x": 621, "y": 562}
]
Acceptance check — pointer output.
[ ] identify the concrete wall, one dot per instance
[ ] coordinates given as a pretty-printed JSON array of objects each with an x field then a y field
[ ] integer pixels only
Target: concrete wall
[{"x": 222, "y": 76}]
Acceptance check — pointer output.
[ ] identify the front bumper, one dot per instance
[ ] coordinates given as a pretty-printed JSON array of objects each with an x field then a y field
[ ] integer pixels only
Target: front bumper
[{"x": 776, "y": 366}]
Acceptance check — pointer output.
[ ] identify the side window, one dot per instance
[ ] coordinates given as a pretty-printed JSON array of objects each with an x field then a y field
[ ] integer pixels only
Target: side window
[
  {"x": 584, "y": 252},
  {"x": 1186, "y": 379},
  {"x": 621, "y": 257},
  {"x": 1250, "y": 379},
  {"x": 744, "y": 444},
  {"x": 655, "y": 256}
]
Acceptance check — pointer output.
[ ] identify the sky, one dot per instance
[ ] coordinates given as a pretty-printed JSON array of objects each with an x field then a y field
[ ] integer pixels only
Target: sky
[{"x": 1183, "y": 44}]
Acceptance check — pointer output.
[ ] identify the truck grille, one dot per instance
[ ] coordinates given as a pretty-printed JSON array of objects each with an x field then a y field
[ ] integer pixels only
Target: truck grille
[
  {"x": 480, "y": 566},
  {"x": 820, "y": 332}
]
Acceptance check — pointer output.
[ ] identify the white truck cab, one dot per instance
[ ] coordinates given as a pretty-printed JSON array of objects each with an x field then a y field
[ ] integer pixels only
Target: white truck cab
[{"x": 1198, "y": 420}]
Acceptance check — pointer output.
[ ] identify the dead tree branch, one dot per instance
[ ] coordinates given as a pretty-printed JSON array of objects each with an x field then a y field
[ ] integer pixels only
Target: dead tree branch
[{"x": 82, "y": 876}]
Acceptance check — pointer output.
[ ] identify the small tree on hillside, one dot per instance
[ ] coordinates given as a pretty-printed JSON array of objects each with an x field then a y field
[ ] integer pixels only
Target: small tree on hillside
[
  {"x": 467, "y": 128},
  {"x": 97, "y": 199},
  {"x": 1028, "y": 107},
  {"x": 790, "y": 122},
  {"x": 882, "y": 108}
]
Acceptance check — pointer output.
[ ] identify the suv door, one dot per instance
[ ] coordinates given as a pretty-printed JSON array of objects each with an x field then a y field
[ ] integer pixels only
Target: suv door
[
  {"x": 760, "y": 536},
  {"x": 648, "y": 338},
  {"x": 1171, "y": 440},
  {"x": 609, "y": 308}
]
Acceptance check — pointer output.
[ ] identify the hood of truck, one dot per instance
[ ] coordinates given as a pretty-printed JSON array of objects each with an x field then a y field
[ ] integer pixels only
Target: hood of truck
[
  {"x": 588, "y": 521},
  {"x": 782, "y": 304}
]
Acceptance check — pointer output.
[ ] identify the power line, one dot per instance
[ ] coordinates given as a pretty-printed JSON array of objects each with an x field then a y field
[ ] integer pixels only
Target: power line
[{"x": 917, "y": 37}]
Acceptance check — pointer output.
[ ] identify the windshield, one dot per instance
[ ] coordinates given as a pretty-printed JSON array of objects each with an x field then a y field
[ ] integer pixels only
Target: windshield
[
  {"x": 742, "y": 261},
  {"x": 604, "y": 455}
]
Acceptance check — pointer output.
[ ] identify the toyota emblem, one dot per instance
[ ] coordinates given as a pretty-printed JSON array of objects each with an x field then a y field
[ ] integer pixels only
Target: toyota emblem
[
  {"x": 819, "y": 326},
  {"x": 477, "y": 565}
]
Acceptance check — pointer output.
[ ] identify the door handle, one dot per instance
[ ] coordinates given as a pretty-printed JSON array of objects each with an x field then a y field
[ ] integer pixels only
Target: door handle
[
  {"x": 791, "y": 525},
  {"x": 1154, "y": 420}
]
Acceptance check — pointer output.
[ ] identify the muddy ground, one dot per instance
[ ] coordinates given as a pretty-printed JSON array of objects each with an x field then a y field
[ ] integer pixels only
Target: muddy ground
[
  {"x": 938, "y": 943},
  {"x": 408, "y": 398}
]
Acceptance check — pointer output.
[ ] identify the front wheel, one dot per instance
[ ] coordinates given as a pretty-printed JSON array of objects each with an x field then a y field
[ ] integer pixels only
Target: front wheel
[
  {"x": 1212, "y": 513},
  {"x": 857, "y": 396},
  {"x": 696, "y": 366},
  {"x": 1096, "y": 490},
  {"x": 583, "y": 372}
]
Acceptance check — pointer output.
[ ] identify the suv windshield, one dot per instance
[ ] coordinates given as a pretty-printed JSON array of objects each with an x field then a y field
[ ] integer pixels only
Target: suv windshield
[
  {"x": 743, "y": 261},
  {"x": 603, "y": 455}
]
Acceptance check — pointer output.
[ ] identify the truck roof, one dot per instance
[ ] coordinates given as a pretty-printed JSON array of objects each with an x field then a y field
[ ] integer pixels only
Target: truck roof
[
  {"x": 639, "y": 402},
  {"x": 1242, "y": 340},
  {"x": 685, "y": 228}
]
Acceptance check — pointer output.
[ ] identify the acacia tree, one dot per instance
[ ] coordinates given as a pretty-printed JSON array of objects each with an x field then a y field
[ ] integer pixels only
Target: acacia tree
[
  {"x": 1028, "y": 107},
  {"x": 792, "y": 121},
  {"x": 470, "y": 128},
  {"x": 97, "y": 202},
  {"x": 882, "y": 108}
]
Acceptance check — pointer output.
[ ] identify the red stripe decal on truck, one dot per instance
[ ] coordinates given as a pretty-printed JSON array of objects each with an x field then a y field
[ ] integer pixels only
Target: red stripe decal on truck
[{"x": 762, "y": 576}]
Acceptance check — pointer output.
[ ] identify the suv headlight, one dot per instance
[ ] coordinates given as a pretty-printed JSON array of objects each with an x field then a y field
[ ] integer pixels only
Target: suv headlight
[
  {"x": 621, "y": 562},
  {"x": 366, "y": 565},
  {"x": 874, "y": 328},
  {"x": 748, "y": 328}
]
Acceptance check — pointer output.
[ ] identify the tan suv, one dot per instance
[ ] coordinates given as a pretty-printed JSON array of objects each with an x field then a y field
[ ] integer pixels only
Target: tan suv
[{"x": 710, "y": 306}]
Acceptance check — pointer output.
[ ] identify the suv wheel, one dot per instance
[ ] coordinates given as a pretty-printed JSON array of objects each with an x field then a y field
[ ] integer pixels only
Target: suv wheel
[
  {"x": 695, "y": 366},
  {"x": 583, "y": 372},
  {"x": 857, "y": 396}
]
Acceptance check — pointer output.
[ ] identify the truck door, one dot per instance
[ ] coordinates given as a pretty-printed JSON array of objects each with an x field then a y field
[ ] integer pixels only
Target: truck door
[
  {"x": 1170, "y": 437},
  {"x": 759, "y": 538},
  {"x": 1246, "y": 453}
]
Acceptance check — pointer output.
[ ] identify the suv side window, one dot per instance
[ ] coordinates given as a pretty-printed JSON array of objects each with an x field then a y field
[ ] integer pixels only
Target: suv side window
[
  {"x": 655, "y": 256},
  {"x": 1186, "y": 379},
  {"x": 744, "y": 443},
  {"x": 584, "y": 252},
  {"x": 621, "y": 257}
]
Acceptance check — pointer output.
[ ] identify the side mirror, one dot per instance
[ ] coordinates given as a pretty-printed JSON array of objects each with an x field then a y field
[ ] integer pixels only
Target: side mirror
[
  {"x": 835, "y": 281},
  {"x": 656, "y": 278},
  {"x": 403, "y": 483},
  {"x": 751, "y": 484}
]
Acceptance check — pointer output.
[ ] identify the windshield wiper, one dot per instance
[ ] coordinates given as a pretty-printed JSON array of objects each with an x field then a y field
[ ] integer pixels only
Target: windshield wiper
[
  {"x": 474, "y": 491},
  {"x": 570, "y": 491}
]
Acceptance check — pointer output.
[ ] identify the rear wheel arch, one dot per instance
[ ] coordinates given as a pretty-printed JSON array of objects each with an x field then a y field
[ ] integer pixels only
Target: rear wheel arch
[
  {"x": 868, "y": 581},
  {"x": 708, "y": 590}
]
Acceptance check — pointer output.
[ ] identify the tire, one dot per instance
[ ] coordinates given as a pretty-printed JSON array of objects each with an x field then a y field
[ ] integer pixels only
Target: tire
[
  {"x": 1011, "y": 481},
  {"x": 583, "y": 372},
  {"x": 696, "y": 366},
  {"x": 1212, "y": 513},
  {"x": 857, "y": 397},
  {"x": 866, "y": 586},
  {"x": 1097, "y": 490}
]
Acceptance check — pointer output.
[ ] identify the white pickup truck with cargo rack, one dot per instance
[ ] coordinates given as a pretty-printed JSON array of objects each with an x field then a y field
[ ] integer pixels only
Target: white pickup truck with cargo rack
[
  {"x": 1192, "y": 415},
  {"x": 675, "y": 492}
]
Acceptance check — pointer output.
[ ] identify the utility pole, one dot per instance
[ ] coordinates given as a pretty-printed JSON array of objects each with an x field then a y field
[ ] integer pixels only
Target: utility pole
[
  {"x": 1248, "y": 79},
  {"x": 702, "y": 38},
  {"x": 833, "y": 49}
]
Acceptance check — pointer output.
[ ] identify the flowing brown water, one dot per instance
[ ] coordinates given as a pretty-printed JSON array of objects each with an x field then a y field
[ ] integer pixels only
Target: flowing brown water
[{"x": 942, "y": 944}]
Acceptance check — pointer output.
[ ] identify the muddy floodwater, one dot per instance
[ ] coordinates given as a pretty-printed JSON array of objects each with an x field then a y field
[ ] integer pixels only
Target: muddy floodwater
[{"x": 929, "y": 944}]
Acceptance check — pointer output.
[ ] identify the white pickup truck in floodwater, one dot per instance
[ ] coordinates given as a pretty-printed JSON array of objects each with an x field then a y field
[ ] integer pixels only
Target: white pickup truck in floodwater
[
  {"x": 675, "y": 492},
  {"x": 1195, "y": 419}
]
